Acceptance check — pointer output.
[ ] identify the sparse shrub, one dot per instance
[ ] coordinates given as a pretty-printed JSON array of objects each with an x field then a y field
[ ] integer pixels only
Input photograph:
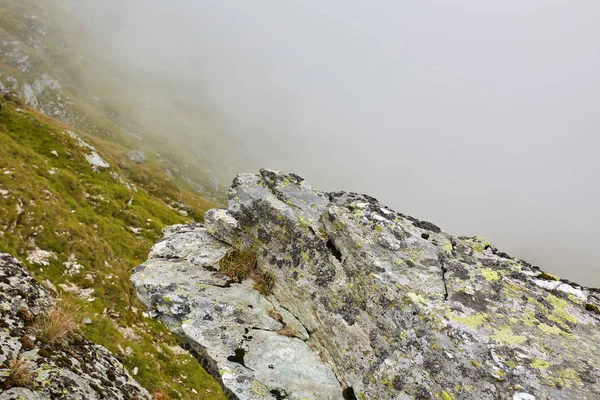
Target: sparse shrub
[
  {"x": 240, "y": 265},
  {"x": 57, "y": 325},
  {"x": 160, "y": 396},
  {"x": 20, "y": 374}
]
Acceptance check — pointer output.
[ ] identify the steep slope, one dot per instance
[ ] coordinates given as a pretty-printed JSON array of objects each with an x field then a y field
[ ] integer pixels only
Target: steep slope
[
  {"x": 55, "y": 63},
  {"x": 367, "y": 303},
  {"x": 80, "y": 214}
]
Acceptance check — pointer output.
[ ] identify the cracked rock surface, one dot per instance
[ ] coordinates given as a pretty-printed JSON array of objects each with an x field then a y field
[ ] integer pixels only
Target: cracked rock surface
[
  {"x": 79, "y": 370},
  {"x": 376, "y": 304}
]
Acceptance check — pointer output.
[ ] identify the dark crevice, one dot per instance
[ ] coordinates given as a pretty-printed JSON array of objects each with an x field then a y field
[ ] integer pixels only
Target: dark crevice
[
  {"x": 297, "y": 319},
  {"x": 256, "y": 328},
  {"x": 238, "y": 357},
  {"x": 277, "y": 394},
  {"x": 334, "y": 250},
  {"x": 425, "y": 236},
  {"x": 348, "y": 394},
  {"x": 444, "y": 270},
  {"x": 209, "y": 365}
]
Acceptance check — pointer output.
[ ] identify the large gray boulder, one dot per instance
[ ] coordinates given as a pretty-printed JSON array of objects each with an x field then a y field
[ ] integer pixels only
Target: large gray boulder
[
  {"x": 380, "y": 305},
  {"x": 79, "y": 370}
]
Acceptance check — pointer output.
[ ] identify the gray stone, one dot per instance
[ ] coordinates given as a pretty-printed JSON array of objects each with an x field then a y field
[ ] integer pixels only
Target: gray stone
[
  {"x": 382, "y": 305},
  {"x": 137, "y": 156}
]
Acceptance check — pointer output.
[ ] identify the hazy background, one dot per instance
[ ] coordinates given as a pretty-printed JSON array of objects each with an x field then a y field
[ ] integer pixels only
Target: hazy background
[{"x": 480, "y": 118}]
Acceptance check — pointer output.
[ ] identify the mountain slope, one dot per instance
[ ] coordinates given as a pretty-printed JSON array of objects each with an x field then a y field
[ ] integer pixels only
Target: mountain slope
[
  {"x": 82, "y": 231},
  {"x": 49, "y": 56}
]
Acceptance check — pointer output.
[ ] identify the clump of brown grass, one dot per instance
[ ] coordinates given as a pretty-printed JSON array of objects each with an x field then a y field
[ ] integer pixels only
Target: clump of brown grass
[
  {"x": 264, "y": 282},
  {"x": 160, "y": 396},
  {"x": 286, "y": 331},
  {"x": 20, "y": 374},
  {"x": 275, "y": 315},
  {"x": 239, "y": 265},
  {"x": 57, "y": 325}
]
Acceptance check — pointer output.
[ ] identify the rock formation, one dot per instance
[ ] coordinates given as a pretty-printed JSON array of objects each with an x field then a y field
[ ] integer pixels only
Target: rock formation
[
  {"x": 32, "y": 368},
  {"x": 367, "y": 303}
]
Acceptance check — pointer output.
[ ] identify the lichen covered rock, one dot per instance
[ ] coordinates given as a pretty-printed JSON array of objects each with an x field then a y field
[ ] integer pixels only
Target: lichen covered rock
[
  {"x": 374, "y": 304},
  {"x": 77, "y": 370}
]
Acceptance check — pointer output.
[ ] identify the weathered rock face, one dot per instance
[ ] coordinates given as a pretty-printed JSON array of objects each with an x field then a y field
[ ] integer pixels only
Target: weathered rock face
[
  {"x": 379, "y": 305},
  {"x": 81, "y": 370}
]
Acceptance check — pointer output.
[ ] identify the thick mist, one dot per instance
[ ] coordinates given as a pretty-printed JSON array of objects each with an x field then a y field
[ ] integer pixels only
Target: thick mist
[{"x": 480, "y": 118}]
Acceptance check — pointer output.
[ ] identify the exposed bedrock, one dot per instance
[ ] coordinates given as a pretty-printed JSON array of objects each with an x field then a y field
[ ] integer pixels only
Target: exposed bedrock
[{"x": 368, "y": 303}]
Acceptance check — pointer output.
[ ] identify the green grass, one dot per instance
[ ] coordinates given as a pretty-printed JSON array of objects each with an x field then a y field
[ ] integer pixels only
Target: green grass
[{"x": 76, "y": 212}]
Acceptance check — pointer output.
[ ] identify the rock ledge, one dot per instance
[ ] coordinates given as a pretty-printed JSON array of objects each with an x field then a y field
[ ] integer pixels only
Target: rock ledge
[{"x": 374, "y": 304}]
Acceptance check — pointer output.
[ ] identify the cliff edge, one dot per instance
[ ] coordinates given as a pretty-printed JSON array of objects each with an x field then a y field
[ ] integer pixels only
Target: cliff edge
[{"x": 350, "y": 299}]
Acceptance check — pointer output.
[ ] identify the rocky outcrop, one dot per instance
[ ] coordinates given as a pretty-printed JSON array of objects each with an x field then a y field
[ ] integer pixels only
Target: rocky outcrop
[
  {"x": 77, "y": 370},
  {"x": 368, "y": 303}
]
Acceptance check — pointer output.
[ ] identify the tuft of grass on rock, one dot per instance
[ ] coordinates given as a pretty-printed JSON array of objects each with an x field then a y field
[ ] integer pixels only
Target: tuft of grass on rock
[
  {"x": 57, "y": 325},
  {"x": 264, "y": 282},
  {"x": 19, "y": 374},
  {"x": 238, "y": 265},
  {"x": 242, "y": 264}
]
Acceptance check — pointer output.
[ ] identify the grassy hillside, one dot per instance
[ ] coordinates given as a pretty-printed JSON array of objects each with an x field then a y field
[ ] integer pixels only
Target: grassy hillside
[
  {"x": 83, "y": 231},
  {"x": 57, "y": 65}
]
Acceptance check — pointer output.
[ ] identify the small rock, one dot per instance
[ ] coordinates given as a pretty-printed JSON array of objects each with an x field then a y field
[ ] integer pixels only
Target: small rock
[
  {"x": 523, "y": 396},
  {"x": 135, "y": 371},
  {"x": 137, "y": 156},
  {"x": 87, "y": 321},
  {"x": 54, "y": 152},
  {"x": 183, "y": 212}
]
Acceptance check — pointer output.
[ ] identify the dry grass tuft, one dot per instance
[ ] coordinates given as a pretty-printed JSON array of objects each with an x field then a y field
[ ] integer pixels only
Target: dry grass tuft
[
  {"x": 240, "y": 265},
  {"x": 20, "y": 374},
  {"x": 286, "y": 331},
  {"x": 57, "y": 325},
  {"x": 275, "y": 315},
  {"x": 264, "y": 282}
]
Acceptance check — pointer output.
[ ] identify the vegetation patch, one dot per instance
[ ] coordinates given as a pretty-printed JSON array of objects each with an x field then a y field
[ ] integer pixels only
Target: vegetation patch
[
  {"x": 57, "y": 326},
  {"x": 19, "y": 374},
  {"x": 93, "y": 230},
  {"x": 242, "y": 264}
]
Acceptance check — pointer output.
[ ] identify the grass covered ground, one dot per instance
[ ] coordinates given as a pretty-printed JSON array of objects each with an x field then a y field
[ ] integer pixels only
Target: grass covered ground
[{"x": 83, "y": 231}]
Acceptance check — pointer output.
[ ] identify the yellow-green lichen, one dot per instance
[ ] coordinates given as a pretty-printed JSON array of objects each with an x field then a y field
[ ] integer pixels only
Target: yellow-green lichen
[
  {"x": 553, "y": 330},
  {"x": 539, "y": 364},
  {"x": 417, "y": 298},
  {"x": 529, "y": 318},
  {"x": 447, "y": 247},
  {"x": 259, "y": 389},
  {"x": 473, "y": 321},
  {"x": 490, "y": 274},
  {"x": 446, "y": 396},
  {"x": 559, "y": 313},
  {"x": 506, "y": 336},
  {"x": 569, "y": 377}
]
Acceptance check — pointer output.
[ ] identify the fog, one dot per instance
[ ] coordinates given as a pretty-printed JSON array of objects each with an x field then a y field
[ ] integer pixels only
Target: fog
[{"x": 479, "y": 116}]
